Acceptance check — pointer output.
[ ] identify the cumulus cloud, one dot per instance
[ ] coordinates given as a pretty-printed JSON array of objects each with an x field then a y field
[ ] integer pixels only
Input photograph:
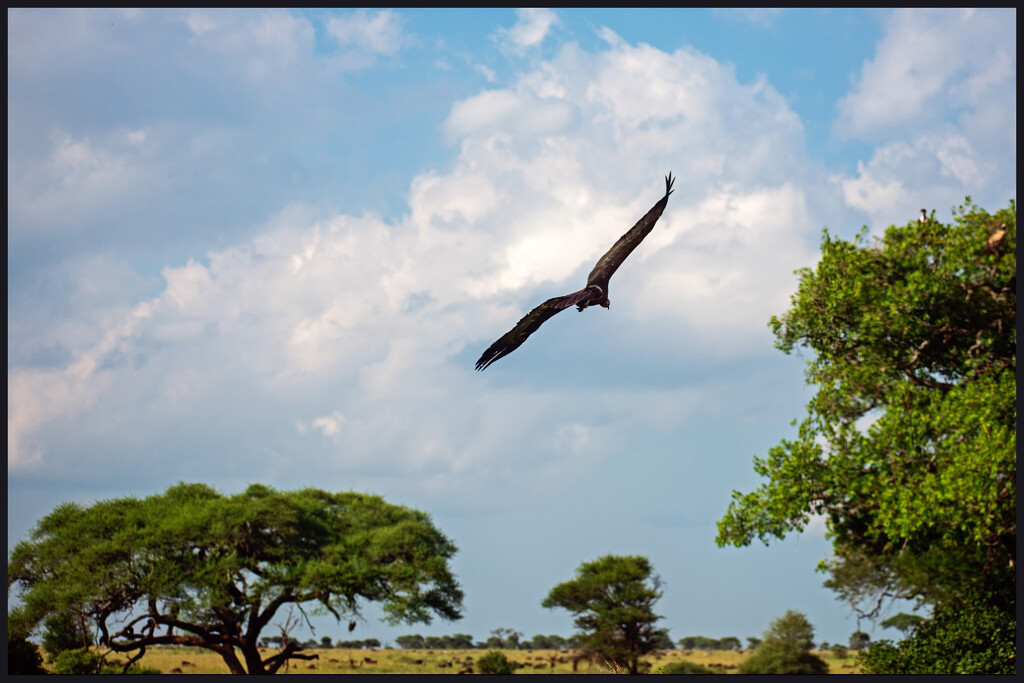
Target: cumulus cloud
[
  {"x": 930, "y": 69},
  {"x": 928, "y": 63},
  {"x": 362, "y": 331},
  {"x": 531, "y": 27}
]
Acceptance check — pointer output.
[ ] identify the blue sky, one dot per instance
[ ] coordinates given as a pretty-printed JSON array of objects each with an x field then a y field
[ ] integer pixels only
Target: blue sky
[{"x": 268, "y": 246}]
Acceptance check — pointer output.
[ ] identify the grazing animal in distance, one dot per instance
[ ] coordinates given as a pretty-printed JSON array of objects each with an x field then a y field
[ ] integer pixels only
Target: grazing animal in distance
[{"x": 596, "y": 291}]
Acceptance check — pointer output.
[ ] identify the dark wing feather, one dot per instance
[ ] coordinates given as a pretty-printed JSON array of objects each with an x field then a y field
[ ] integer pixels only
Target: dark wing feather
[
  {"x": 610, "y": 262},
  {"x": 530, "y": 323}
]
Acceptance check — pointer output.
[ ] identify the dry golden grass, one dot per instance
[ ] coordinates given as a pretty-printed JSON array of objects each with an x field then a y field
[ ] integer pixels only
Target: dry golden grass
[{"x": 189, "y": 660}]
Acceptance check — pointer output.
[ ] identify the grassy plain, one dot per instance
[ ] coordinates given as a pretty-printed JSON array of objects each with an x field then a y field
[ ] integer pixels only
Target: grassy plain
[{"x": 342, "y": 661}]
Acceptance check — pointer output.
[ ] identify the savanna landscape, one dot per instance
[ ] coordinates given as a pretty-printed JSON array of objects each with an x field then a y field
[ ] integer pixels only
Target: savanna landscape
[
  {"x": 187, "y": 660},
  {"x": 265, "y": 374}
]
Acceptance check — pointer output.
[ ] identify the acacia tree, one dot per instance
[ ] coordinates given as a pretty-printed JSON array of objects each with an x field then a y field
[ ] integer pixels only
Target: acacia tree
[
  {"x": 192, "y": 567},
  {"x": 613, "y": 599},
  {"x": 909, "y": 447}
]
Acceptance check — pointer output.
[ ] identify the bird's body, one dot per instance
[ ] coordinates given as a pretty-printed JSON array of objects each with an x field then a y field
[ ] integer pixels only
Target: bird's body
[
  {"x": 595, "y": 293},
  {"x": 923, "y": 218}
]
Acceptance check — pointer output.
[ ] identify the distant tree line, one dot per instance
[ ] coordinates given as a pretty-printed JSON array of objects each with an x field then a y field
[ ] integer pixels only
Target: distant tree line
[
  {"x": 500, "y": 639},
  {"x": 704, "y": 643},
  {"x": 326, "y": 642}
]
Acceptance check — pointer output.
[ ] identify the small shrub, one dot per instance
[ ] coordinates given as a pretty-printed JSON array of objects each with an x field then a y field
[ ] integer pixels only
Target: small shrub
[
  {"x": 771, "y": 661},
  {"x": 685, "y": 667},
  {"x": 82, "y": 661},
  {"x": 495, "y": 662},
  {"x": 78, "y": 661},
  {"x": 839, "y": 651}
]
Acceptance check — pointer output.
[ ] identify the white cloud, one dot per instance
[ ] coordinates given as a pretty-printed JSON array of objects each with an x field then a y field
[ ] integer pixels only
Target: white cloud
[
  {"x": 330, "y": 425},
  {"x": 318, "y": 318},
  {"x": 377, "y": 32},
  {"x": 531, "y": 27},
  {"x": 930, "y": 63},
  {"x": 939, "y": 100}
]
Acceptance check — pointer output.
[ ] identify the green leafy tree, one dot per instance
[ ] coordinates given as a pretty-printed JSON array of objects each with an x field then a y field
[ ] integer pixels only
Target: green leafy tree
[
  {"x": 909, "y": 447},
  {"x": 462, "y": 641},
  {"x": 495, "y": 662},
  {"x": 505, "y": 638},
  {"x": 700, "y": 643},
  {"x": 730, "y": 643},
  {"x": 665, "y": 641},
  {"x": 65, "y": 631},
  {"x": 975, "y": 634},
  {"x": 859, "y": 641},
  {"x": 753, "y": 643},
  {"x": 613, "y": 599},
  {"x": 838, "y": 651},
  {"x": 540, "y": 642},
  {"x": 411, "y": 642},
  {"x": 903, "y": 622},
  {"x": 193, "y": 567},
  {"x": 786, "y": 649}
]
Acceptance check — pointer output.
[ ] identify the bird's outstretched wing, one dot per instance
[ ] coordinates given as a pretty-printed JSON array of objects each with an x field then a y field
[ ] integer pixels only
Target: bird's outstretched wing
[
  {"x": 610, "y": 262},
  {"x": 596, "y": 291},
  {"x": 530, "y": 323}
]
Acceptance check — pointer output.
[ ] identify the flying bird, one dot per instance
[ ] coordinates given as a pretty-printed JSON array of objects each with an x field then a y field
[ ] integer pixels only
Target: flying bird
[{"x": 596, "y": 291}]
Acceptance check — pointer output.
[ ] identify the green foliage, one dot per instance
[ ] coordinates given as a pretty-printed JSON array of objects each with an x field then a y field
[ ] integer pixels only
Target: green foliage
[
  {"x": 411, "y": 642},
  {"x": 664, "y": 641},
  {"x": 839, "y": 651},
  {"x": 613, "y": 599},
  {"x": 700, "y": 643},
  {"x": 192, "y": 567},
  {"x": 786, "y": 649},
  {"x": 80, "y": 661},
  {"x": 366, "y": 643},
  {"x": 65, "y": 631},
  {"x": 83, "y": 661},
  {"x": 495, "y": 662},
  {"x": 685, "y": 667},
  {"x": 542, "y": 642},
  {"x": 909, "y": 447},
  {"x": 972, "y": 635},
  {"x": 859, "y": 641},
  {"x": 902, "y": 621},
  {"x": 705, "y": 643},
  {"x": 730, "y": 643}
]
